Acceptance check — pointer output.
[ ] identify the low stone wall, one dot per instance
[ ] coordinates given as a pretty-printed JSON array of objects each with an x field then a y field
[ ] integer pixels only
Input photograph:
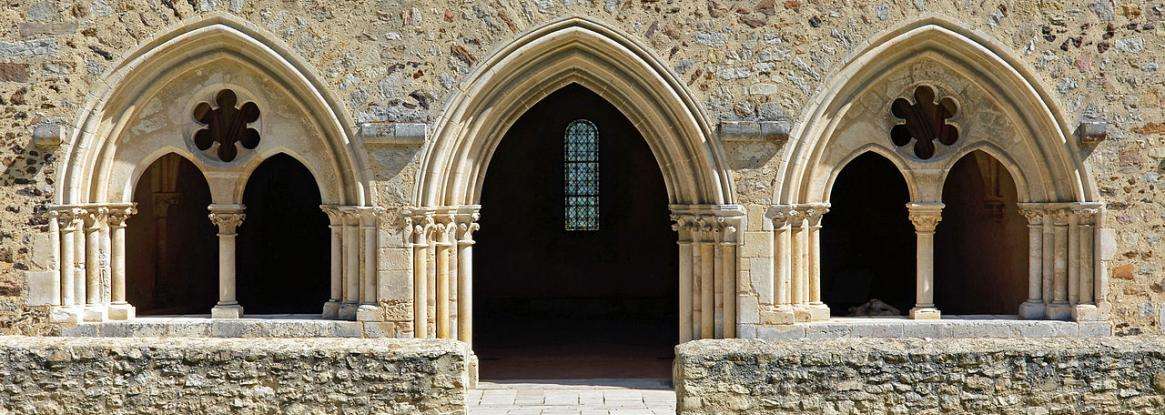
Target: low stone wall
[
  {"x": 873, "y": 376},
  {"x": 46, "y": 375}
]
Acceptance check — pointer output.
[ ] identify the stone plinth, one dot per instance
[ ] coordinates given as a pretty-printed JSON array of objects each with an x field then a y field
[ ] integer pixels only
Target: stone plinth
[
  {"x": 981, "y": 376},
  {"x": 175, "y": 375}
]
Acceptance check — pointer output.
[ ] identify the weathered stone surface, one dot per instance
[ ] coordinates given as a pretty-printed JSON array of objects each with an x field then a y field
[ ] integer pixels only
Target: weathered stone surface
[
  {"x": 996, "y": 376},
  {"x": 220, "y": 376}
]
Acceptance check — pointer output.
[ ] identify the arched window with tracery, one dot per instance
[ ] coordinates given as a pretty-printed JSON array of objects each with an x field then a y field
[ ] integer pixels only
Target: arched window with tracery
[{"x": 581, "y": 176}]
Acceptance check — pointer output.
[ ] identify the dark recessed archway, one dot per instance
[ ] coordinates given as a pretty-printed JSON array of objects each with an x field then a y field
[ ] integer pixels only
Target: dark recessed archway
[
  {"x": 172, "y": 246},
  {"x": 559, "y": 297},
  {"x": 283, "y": 245},
  {"x": 981, "y": 247},
  {"x": 867, "y": 240}
]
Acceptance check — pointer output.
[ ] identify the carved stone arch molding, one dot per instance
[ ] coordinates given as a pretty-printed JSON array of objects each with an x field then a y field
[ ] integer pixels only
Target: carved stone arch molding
[
  {"x": 517, "y": 76},
  {"x": 978, "y": 97},
  {"x": 232, "y": 81}
]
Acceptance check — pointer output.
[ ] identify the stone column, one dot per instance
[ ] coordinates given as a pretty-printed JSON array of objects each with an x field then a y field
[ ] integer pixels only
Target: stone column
[
  {"x": 925, "y": 217},
  {"x": 817, "y": 310},
  {"x": 54, "y": 265},
  {"x": 1085, "y": 308},
  {"x": 95, "y": 309},
  {"x": 227, "y": 218},
  {"x": 79, "y": 284},
  {"x": 782, "y": 267},
  {"x": 351, "y": 274},
  {"x": 683, "y": 227},
  {"x": 707, "y": 254},
  {"x": 1059, "y": 308},
  {"x": 69, "y": 311},
  {"x": 466, "y": 226},
  {"x": 444, "y": 245},
  {"x": 420, "y": 245},
  {"x": 798, "y": 263},
  {"x": 370, "y": 309},
  {"x": 1034, "y": 307},
  {"x": 335, "y": 294},
  {"x": 119, "y": 309},
  {"x": 730, "y": 232}
]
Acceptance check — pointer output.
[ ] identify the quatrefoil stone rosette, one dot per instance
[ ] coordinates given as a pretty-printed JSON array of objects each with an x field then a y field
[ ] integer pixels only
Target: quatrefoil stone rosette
[
  {"x": 227, "y": 124},
  {"x": 923, "y": 122}
]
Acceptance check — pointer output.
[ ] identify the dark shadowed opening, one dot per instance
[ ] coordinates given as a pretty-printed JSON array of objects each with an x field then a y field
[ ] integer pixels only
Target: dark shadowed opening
[
  {"x": 558, "y": 303},
  {"x": 867, "y": 240},
  {"x": 283, "y": 244},
  {"x": 171, "y": 246},
  {"x": 981, "y": 244}
]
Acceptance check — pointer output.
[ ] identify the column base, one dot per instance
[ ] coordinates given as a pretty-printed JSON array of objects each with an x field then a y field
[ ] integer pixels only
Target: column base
[
  {"x": 1032, "y": 310},
  {"x": 369, "y": 312},
  {"x": 122, "y": 312},
  {"x": 783, "y": 314},
  {"x": 1060, "y": 311},
  {"x": 474, "y": 370},
  {"x": 66, "y": 314},
  {"x": 817, "y": 312},
  {"x": 97, "y": 312},
  {"x": 1086, "y": 312},
  {"x": 348, "y": 311},
  {"x": 227, "y": 311},
  {"x": 925, "y": 313},
  {"x": 331, "y": 310}
]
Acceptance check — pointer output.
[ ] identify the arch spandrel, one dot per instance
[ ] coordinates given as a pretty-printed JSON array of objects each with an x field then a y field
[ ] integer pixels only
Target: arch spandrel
[
  {"x": 573, "y": 50},
  {"x": 146, "y": 110},
  {"x": 1001, "y": 110}
]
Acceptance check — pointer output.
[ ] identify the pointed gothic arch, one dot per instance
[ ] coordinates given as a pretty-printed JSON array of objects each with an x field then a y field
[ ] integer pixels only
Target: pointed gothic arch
[
  {"x": 574, "y": 50},
  {"x": 996, "y": 105},
  {"x": 154, "y": 101}
]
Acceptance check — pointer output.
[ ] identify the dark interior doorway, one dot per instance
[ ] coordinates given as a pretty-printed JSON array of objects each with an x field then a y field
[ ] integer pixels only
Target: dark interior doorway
[
  {"x": 867, "y": 240},
  {"x": 557, "y": 303},
  {"x": 283, "y": 245},
  {"x": 172, "y": 246},
  {"x": 981, "y": 244}
]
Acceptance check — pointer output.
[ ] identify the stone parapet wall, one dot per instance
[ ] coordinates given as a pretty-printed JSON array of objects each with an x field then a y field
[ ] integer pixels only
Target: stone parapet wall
[
  {"x": 983, "y": 376},
  {"x": 231, "y": 376}
]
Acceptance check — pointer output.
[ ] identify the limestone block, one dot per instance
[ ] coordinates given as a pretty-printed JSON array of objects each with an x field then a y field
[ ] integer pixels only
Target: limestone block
[
  {"x": 747, "y": 309},
  {"x": 756, "y": 244},
  {"x": 40, "y": 287}
]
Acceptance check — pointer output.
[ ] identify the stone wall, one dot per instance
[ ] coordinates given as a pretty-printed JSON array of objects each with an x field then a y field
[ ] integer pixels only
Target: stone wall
[
  {"x": 228, "y": 376},
  {"x": 400, "y": 62},
  {"x": 1111, "y": 375}
]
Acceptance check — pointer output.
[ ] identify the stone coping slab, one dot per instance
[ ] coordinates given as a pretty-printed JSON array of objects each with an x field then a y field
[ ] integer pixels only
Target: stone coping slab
[
  {"x": 278, "y": 326},
  {"x": 948, "y": 327}
]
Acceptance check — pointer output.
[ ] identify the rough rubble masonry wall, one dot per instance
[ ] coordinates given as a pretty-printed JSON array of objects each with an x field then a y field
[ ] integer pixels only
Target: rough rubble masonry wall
[
  {"x": 231, "y": 376},
  {"x": 403, "y": 61},
  {"x": 1113, "y": 375}
]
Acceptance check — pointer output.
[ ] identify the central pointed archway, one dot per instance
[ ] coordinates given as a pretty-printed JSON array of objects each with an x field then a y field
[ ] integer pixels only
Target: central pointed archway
[{"x": 505, "y": 86}]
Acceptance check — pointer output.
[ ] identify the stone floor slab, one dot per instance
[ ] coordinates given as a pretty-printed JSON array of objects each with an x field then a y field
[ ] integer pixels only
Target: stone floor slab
[{"x": 573, "y": 397}]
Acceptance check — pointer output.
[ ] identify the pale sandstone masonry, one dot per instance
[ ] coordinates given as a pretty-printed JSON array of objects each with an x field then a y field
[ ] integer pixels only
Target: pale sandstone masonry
[
  {"x": 998, "y": 376},
  {"x": 231, "y": 376}
]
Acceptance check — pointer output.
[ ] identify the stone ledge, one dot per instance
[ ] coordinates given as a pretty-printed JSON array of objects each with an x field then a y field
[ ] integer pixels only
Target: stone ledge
[
  {"x": 187, "y": 375},
  {"x": 949, "y": 327},
  {"x": 290, "y": 326},
  {"x": 407, "y": 134},
  {"x": 982, "y": 376},
  {"x": 753, "y": 130}
]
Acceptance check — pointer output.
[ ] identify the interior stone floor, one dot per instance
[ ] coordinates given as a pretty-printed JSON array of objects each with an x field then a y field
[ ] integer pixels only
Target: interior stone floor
[{"x": 574, "y": 397}]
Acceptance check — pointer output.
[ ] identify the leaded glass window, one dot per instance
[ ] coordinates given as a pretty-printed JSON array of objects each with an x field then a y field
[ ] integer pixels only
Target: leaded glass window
[{"x": 581, "y": 173}]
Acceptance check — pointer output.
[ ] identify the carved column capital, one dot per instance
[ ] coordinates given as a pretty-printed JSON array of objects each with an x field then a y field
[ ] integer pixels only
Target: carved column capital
[
  {"x": 1087, "y": 213},
  {"x": 116, "y": 215},
  {"x": 780, "y": 215},
  {"x": 94, "y": 216},
  {"x": 68, "y": 216},
  {"x": 335, "y": 217},
  {"x": 814, "y": 212},
  {"x": 1033, "y": 212},
  {"x": 1061, "y": 216},
  {"x": 925, "y": 216},
  {"x": 369, "y": 216},
  {"x": 227, "y": 218}
]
